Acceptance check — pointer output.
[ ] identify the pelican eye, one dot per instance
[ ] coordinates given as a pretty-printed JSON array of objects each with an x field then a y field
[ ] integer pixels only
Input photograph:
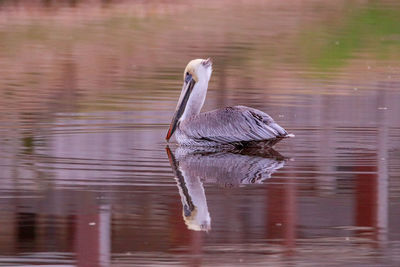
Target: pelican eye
[{"x": 188, "y": 77}]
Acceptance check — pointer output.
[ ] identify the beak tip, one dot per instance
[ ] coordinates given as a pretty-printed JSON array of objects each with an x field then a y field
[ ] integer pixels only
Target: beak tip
[{"x": 168, "y": 136}]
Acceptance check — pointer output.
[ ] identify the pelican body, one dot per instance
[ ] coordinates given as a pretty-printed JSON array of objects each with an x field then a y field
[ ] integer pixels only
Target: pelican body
[{"x": 239, "y": 126}]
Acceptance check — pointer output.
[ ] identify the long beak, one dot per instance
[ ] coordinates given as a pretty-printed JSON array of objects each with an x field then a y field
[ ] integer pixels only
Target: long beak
[{"x": 180, "y": 108}]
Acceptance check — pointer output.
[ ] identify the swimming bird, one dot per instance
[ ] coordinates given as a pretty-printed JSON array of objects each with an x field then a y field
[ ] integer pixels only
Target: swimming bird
[{"x": 237, "y": 126}]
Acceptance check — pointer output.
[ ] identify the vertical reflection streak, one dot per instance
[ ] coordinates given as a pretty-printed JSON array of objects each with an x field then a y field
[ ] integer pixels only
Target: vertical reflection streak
[
  {"x": 383, "y": 175},
  {"x": 105, "y": 234}
]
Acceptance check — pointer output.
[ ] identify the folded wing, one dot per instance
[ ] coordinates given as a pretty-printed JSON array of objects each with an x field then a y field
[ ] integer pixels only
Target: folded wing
[{"x": 232, "y": 125}]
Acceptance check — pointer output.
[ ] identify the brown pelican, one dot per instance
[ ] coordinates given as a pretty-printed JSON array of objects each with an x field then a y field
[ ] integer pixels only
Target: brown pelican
[{"x": 238, "y": 125}]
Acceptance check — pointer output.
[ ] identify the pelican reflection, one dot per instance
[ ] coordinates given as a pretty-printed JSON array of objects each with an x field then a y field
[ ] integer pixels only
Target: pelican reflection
[{"x": 193, "y": 167}]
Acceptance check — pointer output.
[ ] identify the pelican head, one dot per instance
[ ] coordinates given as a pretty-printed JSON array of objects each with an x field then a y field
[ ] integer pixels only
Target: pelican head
[{"x": 195, "y": 83}]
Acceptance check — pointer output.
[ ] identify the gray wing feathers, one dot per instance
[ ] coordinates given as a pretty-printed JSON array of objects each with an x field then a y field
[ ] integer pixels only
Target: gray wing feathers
[
  {"x": 278, "y": 128},
  {"x": 232, "y": 124}
]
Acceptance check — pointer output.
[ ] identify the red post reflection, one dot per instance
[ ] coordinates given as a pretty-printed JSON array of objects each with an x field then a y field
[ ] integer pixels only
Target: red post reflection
[
  {"x": 181, "y": 236},
  {"x": 196, "y": 248},
  {"x": 87, "y": 240},
  {"x": 281, "y": 211},
  {"x": 367, "y": 199}
]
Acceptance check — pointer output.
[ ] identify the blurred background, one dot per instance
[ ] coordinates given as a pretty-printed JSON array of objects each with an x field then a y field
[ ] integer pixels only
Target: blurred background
[{"x": 87, "y": 91}]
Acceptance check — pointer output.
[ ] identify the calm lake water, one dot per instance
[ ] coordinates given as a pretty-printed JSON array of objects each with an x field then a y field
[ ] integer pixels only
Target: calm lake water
[{"x": 87, "y": 91}]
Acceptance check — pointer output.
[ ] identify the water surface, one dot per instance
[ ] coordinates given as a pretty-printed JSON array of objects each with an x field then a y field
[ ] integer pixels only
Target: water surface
[{"x": 87, "y": 91}]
